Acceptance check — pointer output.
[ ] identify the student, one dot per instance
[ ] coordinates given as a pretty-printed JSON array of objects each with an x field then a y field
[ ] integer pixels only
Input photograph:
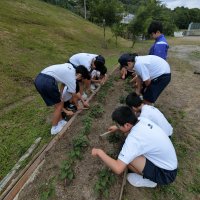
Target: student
[
  {"x": 46, "y": 84},
  {"x": 98, "y": 78},
  {"x": 90, "y": 61},
  {"x": 160, "y": 46},
  {"x": 125, "y": 73},
  {"x": 153, "y": 75},
  {"x": 143, "y": 110},
  {"x": 147, "y": 151},
  {"x": 71, "y": 102}
]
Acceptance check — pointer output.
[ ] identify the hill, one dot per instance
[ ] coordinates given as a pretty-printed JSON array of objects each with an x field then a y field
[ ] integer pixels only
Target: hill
[{"x": 34, "y": 35}]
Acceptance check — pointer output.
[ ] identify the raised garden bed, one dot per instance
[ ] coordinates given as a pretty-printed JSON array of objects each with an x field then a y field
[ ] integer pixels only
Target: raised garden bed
[{"x": 69, "y": 170}]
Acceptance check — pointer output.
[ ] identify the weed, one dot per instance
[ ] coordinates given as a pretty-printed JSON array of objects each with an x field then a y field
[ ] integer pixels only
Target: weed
[
  {"x": 167, "y": 190},
  {"x": 182, "y": 114},
  {"x": 47, "y": 191},
  {"x": 116, "y": 78},
  {"x": 105, "y": 180},
  {"x": 96, "y": 111},
  {"x": 101, "y": 96},
  {"x": 182, "y": 150},
  {"x": 122, "y": 99},
  {"x": 127, "y": 86},
  {"x": 194, "y": 187}
]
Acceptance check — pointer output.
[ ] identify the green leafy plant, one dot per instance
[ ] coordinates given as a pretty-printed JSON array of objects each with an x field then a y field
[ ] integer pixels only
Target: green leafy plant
[
  {"x": 67, "y": 172},
  {"x": 81, "y": 142},
  {"x": 122, "y": 99},
  {"x": 87, "y": 122},
  {"x": 96, "y": 111},
  {"x": 47, "y": 190},
  {"x": 105, "y": 180}
]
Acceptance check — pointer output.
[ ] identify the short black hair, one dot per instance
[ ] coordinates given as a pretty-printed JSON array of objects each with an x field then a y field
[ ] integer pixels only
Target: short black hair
[
  {"x": 103, "y": 70},
  {"x": 83, "y": 71},
  {"x": 133, "y": 100},
  {"x": 123, "y": 115},
  {"x": 154, "y": 27},
  {"x": 127, "y": 57}
]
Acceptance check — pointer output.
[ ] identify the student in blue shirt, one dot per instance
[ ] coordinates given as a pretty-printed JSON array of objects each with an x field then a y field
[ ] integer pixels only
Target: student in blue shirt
[{"x": 160, "y": 46}]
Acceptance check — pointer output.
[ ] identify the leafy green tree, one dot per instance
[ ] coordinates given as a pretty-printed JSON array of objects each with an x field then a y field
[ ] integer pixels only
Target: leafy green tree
[
  {"x": 117, "y": 30},
  {"x": 108, "y": 10},
  {"x": 148, "y": 11}
]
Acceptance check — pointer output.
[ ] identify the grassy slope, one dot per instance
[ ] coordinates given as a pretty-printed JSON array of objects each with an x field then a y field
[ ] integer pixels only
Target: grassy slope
[{"x": 34, "y": 35}]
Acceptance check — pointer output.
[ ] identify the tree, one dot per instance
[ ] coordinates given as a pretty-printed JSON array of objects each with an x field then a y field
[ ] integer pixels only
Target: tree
[
  {"x": 108, "y": 10},
  {"x": 148, "y": 11},
  {"x": 117, "y": 30}
]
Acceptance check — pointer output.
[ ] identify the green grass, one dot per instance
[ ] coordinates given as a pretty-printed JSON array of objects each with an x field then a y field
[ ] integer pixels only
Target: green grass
[{"x": 34, "y": 35}]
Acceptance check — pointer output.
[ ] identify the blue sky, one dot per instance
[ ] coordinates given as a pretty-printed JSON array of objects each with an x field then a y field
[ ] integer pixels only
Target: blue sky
[{"x": 178, "y": 3}]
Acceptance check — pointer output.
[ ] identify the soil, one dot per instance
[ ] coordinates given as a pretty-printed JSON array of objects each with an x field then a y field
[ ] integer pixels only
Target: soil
[{"x": 179, "y": 102}]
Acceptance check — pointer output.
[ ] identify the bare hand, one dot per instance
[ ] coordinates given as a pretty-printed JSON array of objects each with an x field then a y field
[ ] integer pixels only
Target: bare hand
[
  {"x": 113, "y": 128},
  {"x": 95, "y": 152},
  {"x": 85, "y": 104}
]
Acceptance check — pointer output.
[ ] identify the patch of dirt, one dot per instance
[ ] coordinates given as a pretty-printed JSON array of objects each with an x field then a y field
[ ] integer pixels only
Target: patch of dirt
[{"x": 187, "y": 53}]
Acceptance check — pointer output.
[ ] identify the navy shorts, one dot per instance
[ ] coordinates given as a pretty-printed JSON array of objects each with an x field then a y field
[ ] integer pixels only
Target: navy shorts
[
  {"x": 152, "y": 92},
  {"x": 158, "y": 175},
  {"x": 48, "y": 88}
]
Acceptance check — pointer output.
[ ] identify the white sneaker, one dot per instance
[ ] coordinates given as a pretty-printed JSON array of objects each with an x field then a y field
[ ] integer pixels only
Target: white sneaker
[
  {"x": 56, "y": 129},
  {"x": 84, "y": 96},
  {"x": 62, "y": 123},
  {"x": 92, "y": 87},
  {"x": 138, "y": 181}
]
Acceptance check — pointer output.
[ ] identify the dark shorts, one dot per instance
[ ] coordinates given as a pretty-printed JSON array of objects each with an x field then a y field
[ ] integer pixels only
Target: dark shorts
[
  {"x": 152, "y": 92},
  {"x": 77, "y": 86},
  {"x": 48, "y": 88},
  {"x": 158, "y": 175}
]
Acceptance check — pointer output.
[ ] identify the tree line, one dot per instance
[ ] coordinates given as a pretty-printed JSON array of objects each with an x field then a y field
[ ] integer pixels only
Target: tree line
[{"x": 111, "y": 12}]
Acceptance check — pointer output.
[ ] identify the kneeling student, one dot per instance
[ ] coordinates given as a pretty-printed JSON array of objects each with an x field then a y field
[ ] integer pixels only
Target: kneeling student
[
  {"x": 147, "y": 151},
  {"x": 150, "y": 112},
  {"x": 98, "y": 78}
]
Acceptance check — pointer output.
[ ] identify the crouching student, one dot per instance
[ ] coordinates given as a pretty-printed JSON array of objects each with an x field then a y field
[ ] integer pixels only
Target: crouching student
[
  {"x": 153, "y": 75},
  {"x": 91, "y": 62},
  {"x": 98, "y": 78},
  {"x": 150, "y": 112},
  {"x": 46, "y": 84},
  {"x": 147, "y": 151},
  {"x": 124, "y": 71}
]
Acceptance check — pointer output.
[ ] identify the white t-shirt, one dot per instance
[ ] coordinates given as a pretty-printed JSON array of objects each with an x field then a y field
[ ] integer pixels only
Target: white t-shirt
[
  {"x": 150, "y": 67},
  {"x": 84, "y": 59},
  {"x": 149, "y": 140},
  {"x": 63, "y": 73},
  {"x": 157, "y": 117},
  {"x": 66, "y": 96},
  {"x": 95, "y": 73}
]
